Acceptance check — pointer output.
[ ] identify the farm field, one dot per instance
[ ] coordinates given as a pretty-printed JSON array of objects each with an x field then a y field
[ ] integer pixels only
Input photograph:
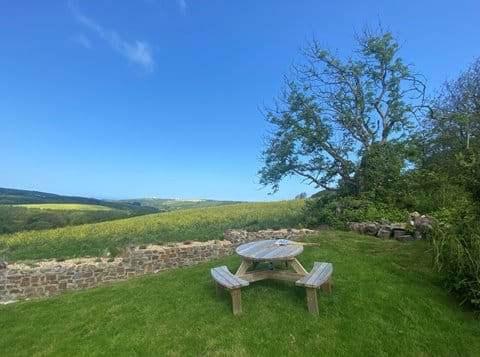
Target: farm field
[
  {"x": 163, "y": 204},
  {"x": 386, "y": 300},
  {"x": 66, "y": 206},
  {"x": 190, "y": 224}
]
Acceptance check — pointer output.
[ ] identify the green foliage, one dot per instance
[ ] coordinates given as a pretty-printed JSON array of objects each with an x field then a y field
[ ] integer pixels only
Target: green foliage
[
  {"x": 191, "y": 224},
  {"x": 457, "y": 253},
  {"x": 450, "y": 166},
  {"x": 433, "y": 192},
  {"x": 379, "y": 172},
  {"x": 337, "y": 113},
  {"x": 386, "y": 301},
  {"x": 337, "y": 211}
]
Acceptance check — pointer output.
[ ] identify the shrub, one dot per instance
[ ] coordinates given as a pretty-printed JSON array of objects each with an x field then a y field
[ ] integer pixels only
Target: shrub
[
  {"x": 336, "y": 212},
  {"x": 457, "y": 256}
]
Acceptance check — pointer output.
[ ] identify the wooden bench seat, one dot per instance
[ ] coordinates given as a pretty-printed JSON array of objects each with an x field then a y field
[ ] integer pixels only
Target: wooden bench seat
[
  {"x": 224, "y": 279},
  {"x": 320, "y": 275}
]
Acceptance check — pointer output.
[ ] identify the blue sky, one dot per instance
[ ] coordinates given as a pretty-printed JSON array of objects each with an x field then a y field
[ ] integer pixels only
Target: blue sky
[{"x": 160, "y": 97}]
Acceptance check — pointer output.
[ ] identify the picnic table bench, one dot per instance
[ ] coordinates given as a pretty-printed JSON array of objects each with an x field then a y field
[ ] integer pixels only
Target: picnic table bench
[
  {"x": 268, "y": 251},
  {"x": 226, "y": 280}
]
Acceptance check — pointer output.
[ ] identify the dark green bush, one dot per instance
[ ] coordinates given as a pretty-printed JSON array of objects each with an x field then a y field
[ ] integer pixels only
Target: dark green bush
[
  {"x": 337, "y": 211},
  {"x": 457, "y": 257}
]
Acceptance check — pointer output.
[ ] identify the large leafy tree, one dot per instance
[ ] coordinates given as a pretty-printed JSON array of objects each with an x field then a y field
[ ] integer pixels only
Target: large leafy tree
[
  {"x": 334, "y": 111},
  {"x": 453, "y": 131}
]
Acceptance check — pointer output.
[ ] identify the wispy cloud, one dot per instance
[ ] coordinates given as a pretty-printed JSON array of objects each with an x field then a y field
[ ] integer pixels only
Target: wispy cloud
[
  {"x": 83, "y": 40},
  {"x": 138, "y": 52},
  {"x": 182, "y": 4}
]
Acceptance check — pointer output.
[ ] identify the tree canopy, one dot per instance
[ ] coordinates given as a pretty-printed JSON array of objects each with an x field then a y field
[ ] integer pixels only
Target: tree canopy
[{"x": 334, "y": 111}]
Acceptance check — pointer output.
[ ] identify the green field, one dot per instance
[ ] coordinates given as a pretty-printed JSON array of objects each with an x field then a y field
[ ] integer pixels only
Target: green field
[
  {"x": 66, "y": 206},
  {"x": 191, "y": 224},
  {"x": 386, "y": 301},
  {"x": 163, "y": 204}
]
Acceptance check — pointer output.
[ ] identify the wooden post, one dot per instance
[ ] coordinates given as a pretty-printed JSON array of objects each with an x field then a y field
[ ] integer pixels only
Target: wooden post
[
  {"x": 219, "y": 289},
  {"x": 312, "y": 300},
  {"x": 295, "y": 264},
  {"x": 326, "y": 286},
  {"x": 242, "y": 269},
  {"x": 236, "y": 301}
]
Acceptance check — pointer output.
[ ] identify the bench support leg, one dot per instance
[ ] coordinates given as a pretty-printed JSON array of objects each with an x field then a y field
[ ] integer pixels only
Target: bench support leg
[
  {"x": 312, "y": 300},
  {"x": 326, "y": 286},
  {"x": 219, "y": 289},
  {"x": 236, "y": 301}
]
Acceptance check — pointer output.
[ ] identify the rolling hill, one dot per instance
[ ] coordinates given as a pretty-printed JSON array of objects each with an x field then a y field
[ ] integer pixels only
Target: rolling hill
[
  {"x": 169, "y": 204},
  {"x": 23, "y": 210},
  {"x": 180, "y": 225},
  {"x": 9, "y": 196}
]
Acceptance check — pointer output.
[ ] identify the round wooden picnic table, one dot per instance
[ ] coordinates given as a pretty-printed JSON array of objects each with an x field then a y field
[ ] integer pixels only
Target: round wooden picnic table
[{"x": 267, "y": 251}]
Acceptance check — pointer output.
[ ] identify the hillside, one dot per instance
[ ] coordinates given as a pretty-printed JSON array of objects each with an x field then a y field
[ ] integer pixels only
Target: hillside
[
  {"x": 9, "y": 196},
  {"x": 23, "y": 210},
  {"x": 189, "y": 224},
  {"x": 165, "y": 204}
]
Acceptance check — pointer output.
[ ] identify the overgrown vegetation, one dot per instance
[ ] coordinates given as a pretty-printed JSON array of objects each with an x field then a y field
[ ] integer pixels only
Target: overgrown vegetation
[
  {"x": 386, "y": 301},
  {"x": 360, "y": 129},
  {"x": 191, "y": 224},
  {"x": 457, "y": 253}
]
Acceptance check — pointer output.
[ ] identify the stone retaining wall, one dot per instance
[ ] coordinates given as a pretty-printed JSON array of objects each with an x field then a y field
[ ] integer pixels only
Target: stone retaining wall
[
  {"x": 238, "y": 236},
  {"x": 44, "y": 278}
]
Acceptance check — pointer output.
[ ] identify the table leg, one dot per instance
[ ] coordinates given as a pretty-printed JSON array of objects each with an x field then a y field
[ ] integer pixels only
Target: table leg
[
  {"x": 242, "y": 269},
  {"x": 295, "y": 264}
]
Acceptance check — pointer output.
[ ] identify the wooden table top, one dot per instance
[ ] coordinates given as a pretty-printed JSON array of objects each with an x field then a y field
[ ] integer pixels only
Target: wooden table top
[{"x": 267, "y": 250}]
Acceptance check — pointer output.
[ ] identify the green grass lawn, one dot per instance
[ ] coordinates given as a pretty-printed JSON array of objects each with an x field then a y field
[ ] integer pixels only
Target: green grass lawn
[
  {"x": 66, "y": 206},
  {"x": 385, "y": 301},
  {"x": 190, "y": 224}
]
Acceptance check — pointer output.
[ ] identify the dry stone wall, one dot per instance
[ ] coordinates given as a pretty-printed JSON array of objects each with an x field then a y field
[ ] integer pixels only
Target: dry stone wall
[
  {"x": 45, "y": 278},
  {"x": 238, "y": 236},
  {"x": 417, "y": 227}
]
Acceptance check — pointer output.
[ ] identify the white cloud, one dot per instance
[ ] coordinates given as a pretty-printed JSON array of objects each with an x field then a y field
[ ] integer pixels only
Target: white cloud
[
  {"x": 138, "y": 52},
  {"x": 83, "y": 41},
  {"x": 182, "y": 4}
]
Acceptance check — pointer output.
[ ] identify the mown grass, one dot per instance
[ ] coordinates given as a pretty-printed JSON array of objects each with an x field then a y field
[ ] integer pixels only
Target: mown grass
[
  {"x": 66, "y": 206},
  {"x": 193, "y": 224},
  {"x": 385, "y": 301}
]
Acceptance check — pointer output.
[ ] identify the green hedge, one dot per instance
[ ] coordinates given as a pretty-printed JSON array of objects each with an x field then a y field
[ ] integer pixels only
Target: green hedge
[{"x": 336, "y": 212}]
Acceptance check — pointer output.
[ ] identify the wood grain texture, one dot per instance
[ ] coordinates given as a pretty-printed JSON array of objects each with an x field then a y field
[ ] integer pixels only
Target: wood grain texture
[
  {"x": 242, "y": 269},
  {"x": 236, "y": 301},
  {"x": 267, "y": 250},
  {"x": 262, "y": 274},
  {"x": 312, "y": 302},
  {"x": 295, "y": 264},
  {"x": 226, "y": 279},
  {"x": 320, "y": 274}
]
